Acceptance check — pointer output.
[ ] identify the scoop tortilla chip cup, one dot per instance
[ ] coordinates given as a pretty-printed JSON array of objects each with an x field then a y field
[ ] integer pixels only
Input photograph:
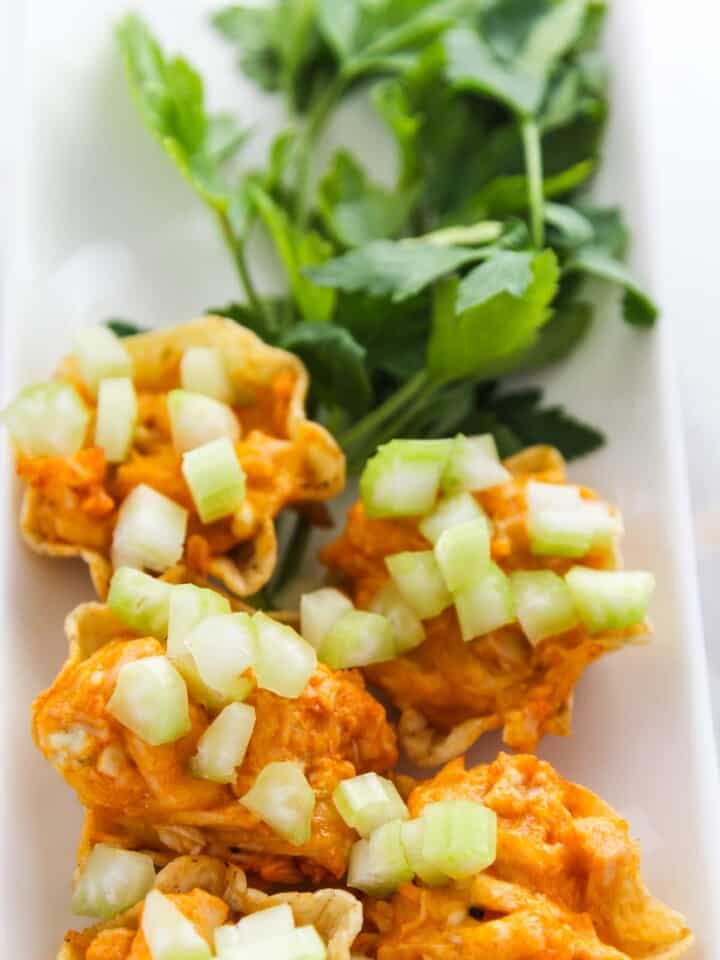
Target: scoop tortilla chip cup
[
  {"x": 335, "y": 914},
  {"x": 70, "y": 506}
]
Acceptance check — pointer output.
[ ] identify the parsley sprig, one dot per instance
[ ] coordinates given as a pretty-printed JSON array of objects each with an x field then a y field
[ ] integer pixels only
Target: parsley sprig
[{"x": 411, "y": 304}]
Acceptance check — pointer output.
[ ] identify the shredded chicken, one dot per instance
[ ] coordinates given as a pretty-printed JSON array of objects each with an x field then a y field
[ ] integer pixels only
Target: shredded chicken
[
  {"x": 565, "y": 885},
  {"x": 500, "y": 679},
  {"x": 145, "y": 796}
]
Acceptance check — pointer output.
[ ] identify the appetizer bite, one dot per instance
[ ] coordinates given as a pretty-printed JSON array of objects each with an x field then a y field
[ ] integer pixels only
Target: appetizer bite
[
  {"x": 227, "y": 739},
  {"x": 499, "y": 581},
  {"x": 170, "y": 451},
  {"x": 199, "y": 907},
  {"x": 510, "y": 861}
]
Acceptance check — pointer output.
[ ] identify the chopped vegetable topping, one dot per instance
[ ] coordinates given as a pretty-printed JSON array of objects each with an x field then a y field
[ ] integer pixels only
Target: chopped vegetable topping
[
  {"x": 149, "y": 532},
  {"x": 101, "y": 354},
  {"x": 368, "y": 801},
  {"x": 111, "y": 881},
  {"x": 215, "y": 478},
  {"x": 116, "y": 418},
  {"x": 150, "y": 699},
  {"x": 47, "y": 420},
  {"x": 282, "y": 797}
]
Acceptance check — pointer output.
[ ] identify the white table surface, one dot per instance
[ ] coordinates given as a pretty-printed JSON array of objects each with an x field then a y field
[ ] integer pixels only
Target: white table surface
[{"x": 683, "y": 134}]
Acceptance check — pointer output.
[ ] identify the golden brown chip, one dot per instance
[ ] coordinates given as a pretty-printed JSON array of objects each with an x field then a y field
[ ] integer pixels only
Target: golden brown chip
[
  {"x": 566, "y": 882},
  {"x": 70, "y": 505},
  {"x": 450, "y": 692},
  {"x": 336, "y": 914}
]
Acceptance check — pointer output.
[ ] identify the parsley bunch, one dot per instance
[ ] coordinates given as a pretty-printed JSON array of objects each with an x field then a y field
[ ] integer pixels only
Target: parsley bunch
[{"x": 410, "y": 304}]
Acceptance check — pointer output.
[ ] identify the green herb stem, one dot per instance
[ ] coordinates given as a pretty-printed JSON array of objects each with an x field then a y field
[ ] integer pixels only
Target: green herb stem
[
  {"x": 292, "y": 556},
  {"x": 314, "y": 127},
  {"x": 534, "y": 167},
  {"x": 372, "y": 422},
  {"x": 235, "y": 246}
]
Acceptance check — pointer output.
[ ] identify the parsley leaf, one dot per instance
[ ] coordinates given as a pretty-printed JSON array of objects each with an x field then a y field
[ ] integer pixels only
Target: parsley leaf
[
  {"x": 638, "y": 308},
  {"x": 357, "y": 211},
  {"x": 505, "y": 272},
  {"x": 297, "y": 250},
  {"x": 124, "y": 328},
  {"x": 386, "y": 269},
  {"x": 518, "y": 420},
  {"x": 471, "y": 65},
  {"x": 467, "y": 343},
  {"x": 336, "y": 362},
  {"x": 170, "y": 96}
]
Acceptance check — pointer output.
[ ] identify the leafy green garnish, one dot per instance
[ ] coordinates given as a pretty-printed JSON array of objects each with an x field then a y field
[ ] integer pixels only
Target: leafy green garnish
[
  {"x": 505, "y": 317},
  {"x": 409, "y": 303},
  {"x": 123, "y": 328}
]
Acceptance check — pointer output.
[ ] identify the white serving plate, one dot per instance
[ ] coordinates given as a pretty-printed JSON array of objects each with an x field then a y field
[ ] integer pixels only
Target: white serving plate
[{"x": 96, "y": 223}]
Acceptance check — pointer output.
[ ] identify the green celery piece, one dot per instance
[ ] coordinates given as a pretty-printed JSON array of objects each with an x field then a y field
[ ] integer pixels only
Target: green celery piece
[
  {"x": 638, "y": 308},
  {"x": 466, "y": 344},
  {"x": 391, "y": 269}
]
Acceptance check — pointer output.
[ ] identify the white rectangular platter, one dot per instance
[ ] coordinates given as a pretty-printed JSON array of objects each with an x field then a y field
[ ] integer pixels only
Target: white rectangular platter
[{"x": 96, "y": 223}]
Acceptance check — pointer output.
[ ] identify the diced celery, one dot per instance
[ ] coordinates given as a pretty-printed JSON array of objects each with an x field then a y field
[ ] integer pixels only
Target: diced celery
[
  {"x": 420, "y": 581},
  {"x": 255, "y": 927},
  {"x": 284, "y": 662},
  {"x": 188, "y": 606},
  {"x": 203, "y": 370},
  {"x": 610, "y": 599},
  {"x": 168, "y": 933},
  {"x": 282, "y": 797},
  {"x": 459, "y": 837},
  {"x": 150, "y": 699},
  {"x": 560, "y": 532},
  {"x": 543, "y": 603},
  {"x": 101, "y": 354},
  {"x": 222, "y": 748},
  {"x": 412, "y": 835},
  {"x": 485, "y": 605},
  {"x": 196, "y": 419},
  {"x": 452, "y": 510},
  {"x": 543, "y": 496},
  {"x": 140, "y": 601},
  {"x": 378, "y": 865},
  {"x": 368, "y": 801},
  {"x": 302, "y": 943},
  {"x": 223, "y": 648},
  {"x": 216, "y": 479},
  {"x": 318, "y": 612},
  {"x": 47, "y": 420},
  {"x": 111, "y": 881},
  {"x": 561, "y": 523},
  {"x": 402, "y": 479},
  {"x": 463, "y": 553},
  {"x": 407, "y": 627},
  {"x": 473, "y": 464},
  {"x": 149, "y": 532},
  {"x": 357, "y": 639},
  {"x": 116, "y": 417}
]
